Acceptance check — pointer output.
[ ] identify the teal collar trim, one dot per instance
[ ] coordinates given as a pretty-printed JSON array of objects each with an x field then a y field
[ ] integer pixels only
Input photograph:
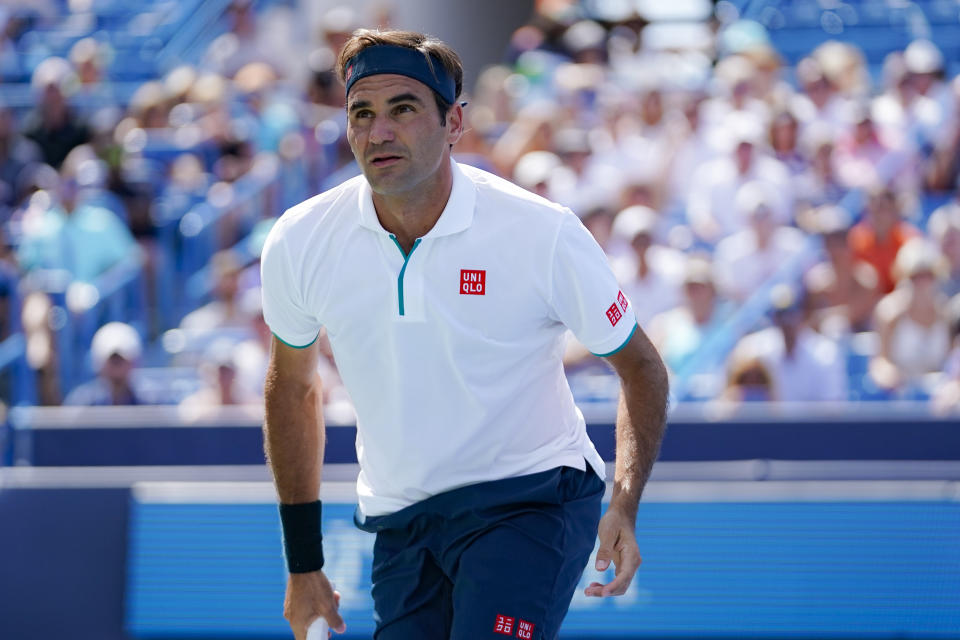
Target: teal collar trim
[{"x": 406, "y": 259}]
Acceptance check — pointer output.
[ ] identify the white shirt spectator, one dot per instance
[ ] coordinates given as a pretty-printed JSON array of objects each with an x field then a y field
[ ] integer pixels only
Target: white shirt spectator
[
  {"x": 742, "y": 264},
  {"x": 711, "y": 207},
  {"x": 815, "y": 371}
]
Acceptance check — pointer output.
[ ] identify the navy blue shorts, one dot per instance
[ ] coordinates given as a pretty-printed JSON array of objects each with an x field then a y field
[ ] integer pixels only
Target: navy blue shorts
[{"x": 491, "y": 560}]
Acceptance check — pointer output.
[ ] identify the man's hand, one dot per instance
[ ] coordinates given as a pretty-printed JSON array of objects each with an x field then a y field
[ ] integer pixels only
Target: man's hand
[
  {"x": 310, "y": 596},
  {"x": 619, "y": 545}
]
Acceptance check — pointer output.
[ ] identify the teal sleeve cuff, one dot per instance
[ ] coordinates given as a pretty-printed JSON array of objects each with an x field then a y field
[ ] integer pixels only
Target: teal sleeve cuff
[
  {"x": 606, "y": 355},
  {"x": 295, "y": 346}
]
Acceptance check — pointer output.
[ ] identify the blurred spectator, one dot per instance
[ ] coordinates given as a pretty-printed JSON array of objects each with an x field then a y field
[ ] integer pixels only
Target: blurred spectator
[
  {"x": 9, "y": 281},
  {"x": 842, "y": 291},
  {"x": 693, "y": 147},
  {"x": 534, "y": 169},
  {"x": 270, "y": 114},
  {"x": 711, "y": 207},
  {"x": 912, "y": 322},
  {"x": 944, "y": 229},
  {"x": 879, "y": 236},
  {"x": 9, "y": 58},
  {"x": 784, "y": 136},
  {"x": 52, "y": 124},
  {"x": 746, "y": 259},
  {"x": 224, "y": 312},
  {"x": 748, "y": 380},
  {"x": 59, "y": 232},
  {"x": 819, "y": 184},
  {"x": 150, "y": 106},
  {"x": 42, "y": 354},
  {"x": 863, "y": 159},
  {"x": 221, "y": 387},
  {"x": 946, "y": 394},
  {"x": 584, "y": 181},
  {"x": 819, "y": 104},
  {"x": 932, "y": 104},
  {"x": 652, "y": 276},
  {"x": 253, "y": 352},
  {"x": 679, "y": 332},
  {"x": 114, "y": 352},
  {"x": 805, "y": 366},
  {"x": 16, "y": 153},
  {"x": 92, "y": 93}
]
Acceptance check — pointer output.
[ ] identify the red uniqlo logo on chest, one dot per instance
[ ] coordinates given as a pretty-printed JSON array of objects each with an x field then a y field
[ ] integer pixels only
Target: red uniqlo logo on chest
[
  {"x": 524, "y": 630},
  {"x": 473, "y": 282},
  {"x": 614, "y": 314},
  {"x": 622, "y": 299},
  {"x": 504, "y": 625}
]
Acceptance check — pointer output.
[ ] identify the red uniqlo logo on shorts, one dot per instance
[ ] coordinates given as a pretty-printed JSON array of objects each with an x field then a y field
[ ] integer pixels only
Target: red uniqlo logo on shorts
[
  {"x": 504, "y": 625},
  {"x": 473, "y": 282},
  {"x": 622, "y": 299},
  {"x": 613, "y": 314},
  {"x": 524, "y": 630}
]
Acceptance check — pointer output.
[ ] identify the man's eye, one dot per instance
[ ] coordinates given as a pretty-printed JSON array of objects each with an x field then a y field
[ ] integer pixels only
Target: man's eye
[{"x": 403, "y": 108}]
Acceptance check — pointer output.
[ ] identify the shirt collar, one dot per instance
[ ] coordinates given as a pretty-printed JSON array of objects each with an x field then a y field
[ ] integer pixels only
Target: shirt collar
[{"x": 456, "y": 216}]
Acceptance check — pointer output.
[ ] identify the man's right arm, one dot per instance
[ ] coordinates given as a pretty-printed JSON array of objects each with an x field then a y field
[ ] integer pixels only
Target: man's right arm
[{"x": 294, "y": 440}]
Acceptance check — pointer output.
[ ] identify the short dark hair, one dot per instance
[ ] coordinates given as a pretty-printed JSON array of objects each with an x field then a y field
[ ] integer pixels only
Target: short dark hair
[{"x": 430, "y": 47}]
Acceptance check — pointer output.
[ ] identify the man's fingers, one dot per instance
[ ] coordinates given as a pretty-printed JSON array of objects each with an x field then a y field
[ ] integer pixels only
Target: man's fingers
[
  {"x": 335, "y": 622},
  {"x": 626, "y": 568},
  {"x": 605, "y": 552}
]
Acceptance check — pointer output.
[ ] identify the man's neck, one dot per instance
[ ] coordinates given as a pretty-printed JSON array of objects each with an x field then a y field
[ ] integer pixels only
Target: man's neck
[{"x": 411, "y": 215}]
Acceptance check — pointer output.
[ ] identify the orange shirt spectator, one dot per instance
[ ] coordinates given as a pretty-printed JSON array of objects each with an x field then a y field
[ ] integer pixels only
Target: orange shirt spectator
[{"x": 878, "y": 237}]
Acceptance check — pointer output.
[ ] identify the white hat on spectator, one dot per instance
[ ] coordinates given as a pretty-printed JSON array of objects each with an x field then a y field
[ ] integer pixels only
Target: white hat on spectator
[
  {"x": 534, "y": 168},
  {"x": 634, "y": 221},
  {"x": 922, "y": 56},
  {"x": 831, "y": 219},
  {"x": 115, "y": 338},
  {"x": 53, "y": 71},
  {"x": 753, "y": 199},
  {"x": 584, "y": 35},
  {"x": 916, "y": 256},
  {"x": 743, "y": 128}
]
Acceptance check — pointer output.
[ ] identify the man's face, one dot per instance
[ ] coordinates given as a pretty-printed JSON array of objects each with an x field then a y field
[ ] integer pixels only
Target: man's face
[{"x": 395, "y": 133}]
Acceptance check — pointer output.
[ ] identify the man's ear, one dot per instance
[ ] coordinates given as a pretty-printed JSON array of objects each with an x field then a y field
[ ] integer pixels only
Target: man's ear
[{"x": 455, "y": 120}]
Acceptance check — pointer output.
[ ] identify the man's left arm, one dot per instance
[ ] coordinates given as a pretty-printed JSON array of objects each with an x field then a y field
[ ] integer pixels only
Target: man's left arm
[{"x": 641, "y": 421}]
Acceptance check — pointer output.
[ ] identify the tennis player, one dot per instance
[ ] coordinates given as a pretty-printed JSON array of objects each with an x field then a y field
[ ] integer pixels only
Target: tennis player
[{"x": 446, "y": 293}]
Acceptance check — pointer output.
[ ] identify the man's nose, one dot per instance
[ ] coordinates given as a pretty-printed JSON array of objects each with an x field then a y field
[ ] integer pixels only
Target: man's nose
[{"x": 381, "y": 130}]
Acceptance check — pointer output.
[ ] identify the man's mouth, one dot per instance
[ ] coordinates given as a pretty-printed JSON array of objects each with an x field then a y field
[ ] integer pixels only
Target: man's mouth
[{"x": 385, "y": 159}]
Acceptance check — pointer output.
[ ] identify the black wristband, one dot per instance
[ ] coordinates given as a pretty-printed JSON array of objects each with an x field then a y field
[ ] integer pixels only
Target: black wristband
[{"x": 302, "y": 540}]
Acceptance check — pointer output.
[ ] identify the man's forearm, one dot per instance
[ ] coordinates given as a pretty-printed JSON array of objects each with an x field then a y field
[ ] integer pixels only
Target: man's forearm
[
  {"x": 641, "y": 421},
  {"x": 294, "y": 438}
]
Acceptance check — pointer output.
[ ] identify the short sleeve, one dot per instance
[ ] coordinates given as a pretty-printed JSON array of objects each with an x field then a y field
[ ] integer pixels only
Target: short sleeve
[
  {"x": 585, "y": 295},
  {"x": 283, "y": 309}
]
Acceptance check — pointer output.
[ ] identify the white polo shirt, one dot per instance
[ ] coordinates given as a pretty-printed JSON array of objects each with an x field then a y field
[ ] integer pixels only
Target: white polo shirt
[{"x": 451, "y": 353}]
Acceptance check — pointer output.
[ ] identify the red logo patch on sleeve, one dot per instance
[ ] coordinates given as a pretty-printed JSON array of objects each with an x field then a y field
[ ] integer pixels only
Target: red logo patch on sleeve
[
  {"x": 524, "y": 630},
  {"x": 614, "y": 314},
  {"x": 473, "y": 282},
  {"x": 622, "y": 299},
  {"x": 504, "y": 625}
]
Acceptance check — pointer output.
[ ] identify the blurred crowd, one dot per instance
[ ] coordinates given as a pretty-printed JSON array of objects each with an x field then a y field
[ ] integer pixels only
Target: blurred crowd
[{"x": 785, "y": 233}]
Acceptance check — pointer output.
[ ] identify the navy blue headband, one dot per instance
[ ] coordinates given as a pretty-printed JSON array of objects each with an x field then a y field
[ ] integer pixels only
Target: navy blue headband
[{"x": 387, "y": 58}]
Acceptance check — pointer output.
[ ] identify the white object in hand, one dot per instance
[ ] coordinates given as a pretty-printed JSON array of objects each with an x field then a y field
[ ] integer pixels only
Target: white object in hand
[{"x": 318, "y": 630}]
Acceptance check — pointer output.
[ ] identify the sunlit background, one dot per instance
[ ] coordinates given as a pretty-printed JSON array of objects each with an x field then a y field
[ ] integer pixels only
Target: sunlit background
[{"x": 777, "y": 187}]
